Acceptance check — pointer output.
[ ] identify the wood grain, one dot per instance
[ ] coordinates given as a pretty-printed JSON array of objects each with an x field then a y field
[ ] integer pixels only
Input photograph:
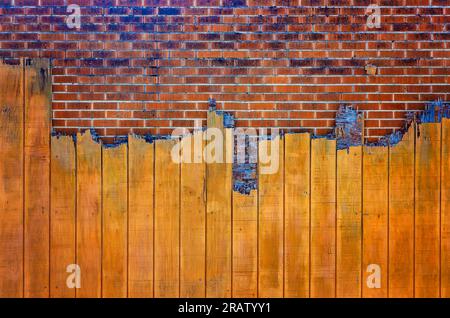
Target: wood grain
[
  {"x": 297, "y": 214},
  {"x": 375, "y": 220},
  {"x": 37, "y": 178},
  {"x": 271, "y": 225},
  {"x": 323, "y": 218},
  {"x": 401, "y": 217},
  {"x": 445, "y": 210},
  {"x": 11, "y": 180},
  {"x": 427, "y": 211},
  {"x": 115, "y": 222},
  {"x": 349, "y": 235},
  {"x": 62, "y": 215},
  {"x": 193, "y": 218},
  {"x": 89, "y": 215},
  {"x": 140, "y": 217},
  {"x": 218, "y": 214},
  {"x": 245, "y": 244},
  {"x": 167, "y": 221}
]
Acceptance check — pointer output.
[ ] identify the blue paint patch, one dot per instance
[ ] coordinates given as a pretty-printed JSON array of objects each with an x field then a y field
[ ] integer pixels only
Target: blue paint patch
[
  {"x": 434, "y": 112},
  {"x": 146, "y": 137},
  {"x": 95, "y": 136},
  {"x": 228, "y": 118},
  {"x": 245, "y": 177},
  {"x": 396, "y": 136},
  {"x": 245, "y": 174},
  {"x": 349, "y": 127}
]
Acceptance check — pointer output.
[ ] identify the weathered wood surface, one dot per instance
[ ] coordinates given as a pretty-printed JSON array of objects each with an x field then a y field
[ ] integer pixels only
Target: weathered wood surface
[{"x": 137, "y": 223}]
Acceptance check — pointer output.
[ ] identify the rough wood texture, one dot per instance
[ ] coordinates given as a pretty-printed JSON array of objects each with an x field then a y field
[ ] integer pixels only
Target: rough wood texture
[
  {"x": 271, "y": 229},
  {"x": 37, "y": 177},
  {"x": 323, "y": 218},
  {"x": 192, "y": 219},
  {"x": 427, "y": 211},
  {"x": 62, "y": 215},
  {"x": 89, "y": 215},
  {"x": 401, "y": 217},
  {"x": 245, "y": 245},
  {"x": 349, "y": 206},
  {"x": 218, "y": 215},
  {"x": 297, "y": 214},
  {"x": 375, "y": 219},
  {"x": 11, "y": 180},
  {"x": 140, "y": 217},
  {"x": 445, "y": 210},
  {"x": 167, "y": 221},
  {"x": 115, "y": 222},
  {"x": 139, "y": 224}
]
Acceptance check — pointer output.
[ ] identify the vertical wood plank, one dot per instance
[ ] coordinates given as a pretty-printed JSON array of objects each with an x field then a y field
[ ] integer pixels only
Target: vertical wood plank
[
  {"x": 62, "y": 215},
  {"x": 115, "y": 222},
  {"x": 445, "y": 210},
  {"x": 218, "y": 213},
  {"x": 401, "y": 217},
  {"x": 11, "y": 180},
  {"x": 349, "y": 204},
  {"x": 297, "y": 208},
  {"x": 167, "y": 221},
  {"x": 140, "y": 218},
  {"x": 193, "y": 217},
  {"x": 323, "y": 218},
  {"x": 271, "y": 229},
  {"x": 427, "y": 211},
  {"x": 37, "y": 177},
  {"x": 89, "y": 216},
  {"x": 375, "y": 219},
  {"x": 245, "y": 244}
]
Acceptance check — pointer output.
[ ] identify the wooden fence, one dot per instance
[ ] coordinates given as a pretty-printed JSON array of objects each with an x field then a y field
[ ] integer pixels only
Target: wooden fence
[{"x": 139, "y": 225}]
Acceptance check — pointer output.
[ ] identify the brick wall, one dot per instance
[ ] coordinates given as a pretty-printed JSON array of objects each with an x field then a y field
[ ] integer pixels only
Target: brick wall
[{"x": 148, "y": 66}]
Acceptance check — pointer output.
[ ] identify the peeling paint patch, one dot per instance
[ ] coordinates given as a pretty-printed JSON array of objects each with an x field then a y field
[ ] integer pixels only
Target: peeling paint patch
[
  {"x": 245, "y": 169},
  {"x": 434, "y": 112},
  {"x": 347, "y": 133},
  {"x": 397, "y": 136},
  {"x": 349, "y": 127},
  {"x": 228, "y": 118}
]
